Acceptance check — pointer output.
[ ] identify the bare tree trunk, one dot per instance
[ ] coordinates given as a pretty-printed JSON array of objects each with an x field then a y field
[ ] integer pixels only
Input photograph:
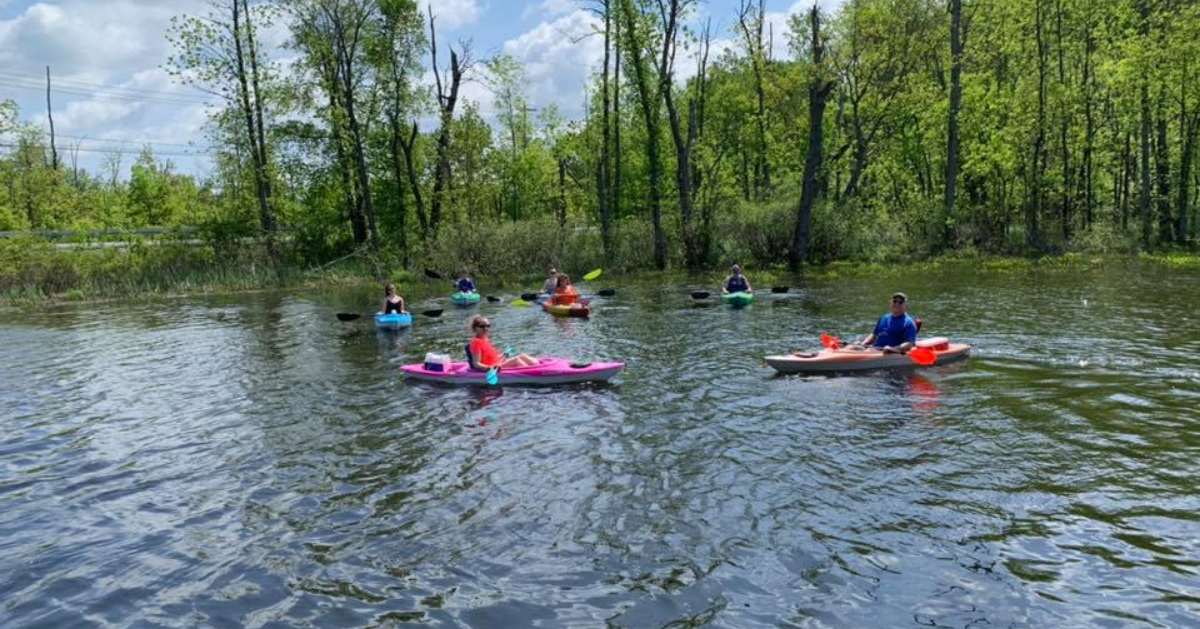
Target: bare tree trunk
[
  {"x": 414, "y": 181},
  {"x": 602, "y": 173},
  {"x": 615, "y": 205},
  {"x": 650, "y": 113},
  {"x": 752, "y": 31},
  {"x": 258, "y": 154},
  {"x": 1034, "y": 206},
  {"x": 447, "y": 99},
  {"x": 952, "y": 139},
  {"x": 1162, "y": 175},
  {"x": 50, "y": 117},
  {"x": 1065, "y": 214},
  {"x": 1144, "y": 193},
  {"x": 1089, "y": 129},
  {"x": 818, "y": 93}
]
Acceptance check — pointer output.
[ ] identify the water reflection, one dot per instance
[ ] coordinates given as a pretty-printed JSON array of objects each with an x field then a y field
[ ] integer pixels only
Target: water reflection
[{"x": 252, "y": 461}]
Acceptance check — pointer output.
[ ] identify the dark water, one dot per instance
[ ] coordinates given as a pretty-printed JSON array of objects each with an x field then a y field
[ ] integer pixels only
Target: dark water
[{"x": 252, "y": 461}]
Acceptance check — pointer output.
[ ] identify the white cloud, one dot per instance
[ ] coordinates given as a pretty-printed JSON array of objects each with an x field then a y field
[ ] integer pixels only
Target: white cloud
[
  {"x": 549, "y": 8},
  {"x": 452, "y": 14},
  {"x": 559, "y": 57}
]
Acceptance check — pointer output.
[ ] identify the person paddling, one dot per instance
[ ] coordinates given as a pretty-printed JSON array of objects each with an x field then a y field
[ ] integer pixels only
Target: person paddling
[
  {"x": 736, "y": 282},
  {"x": 551, "y": 283},
  {"x": 564, "y": 293},
  {"x": 896, "y": 331},
  {"x": 392, "y": 303},
  {"x": 485, "y": 356},
  {"x": 464, "y": 284}
]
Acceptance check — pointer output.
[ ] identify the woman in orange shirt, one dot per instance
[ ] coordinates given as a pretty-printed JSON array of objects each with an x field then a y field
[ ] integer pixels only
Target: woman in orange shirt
[
  {"x": 565, "y": 294},
  {"x": 484, "y": 355}
]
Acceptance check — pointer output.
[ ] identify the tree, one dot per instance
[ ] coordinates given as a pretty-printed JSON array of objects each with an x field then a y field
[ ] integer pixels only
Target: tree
[{"x": 818, "y": 92}]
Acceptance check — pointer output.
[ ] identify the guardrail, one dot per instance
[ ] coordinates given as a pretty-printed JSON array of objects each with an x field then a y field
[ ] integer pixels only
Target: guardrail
[{"x": 92, "y": 234}]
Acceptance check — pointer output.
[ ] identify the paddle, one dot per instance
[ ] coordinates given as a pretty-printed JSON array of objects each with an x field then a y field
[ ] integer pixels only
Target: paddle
[
  {"x": 529, "y": 296},
  {"x": 433, "y": 275},
  {"x": 700, "y": 294},
  {"x": 493, "y": 374},
  {"x": 593, "y": 275},
  {"x": 493, "y": 299},
  {"x": 779, "y": 290},
  {"x": 354, "y": 316},
  {"x": 922, "y": 356},
  {"x": 606, "y": 292},
  {"x": 831, "y": 342}
]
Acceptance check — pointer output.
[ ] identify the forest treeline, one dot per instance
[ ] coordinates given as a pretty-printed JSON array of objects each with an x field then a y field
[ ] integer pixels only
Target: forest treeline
[{"x": 888, "y": 128}]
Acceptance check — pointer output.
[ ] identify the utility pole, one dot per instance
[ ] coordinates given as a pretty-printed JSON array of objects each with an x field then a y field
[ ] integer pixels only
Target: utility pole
[{"x": 50, "y": 115}]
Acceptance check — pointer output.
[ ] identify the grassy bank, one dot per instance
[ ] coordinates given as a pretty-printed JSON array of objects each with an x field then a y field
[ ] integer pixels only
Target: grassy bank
[{"x": 512, "y": 255}]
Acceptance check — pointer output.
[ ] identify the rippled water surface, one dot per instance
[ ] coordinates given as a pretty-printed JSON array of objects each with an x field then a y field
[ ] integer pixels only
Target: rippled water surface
[{"x": 250, "y": 460}]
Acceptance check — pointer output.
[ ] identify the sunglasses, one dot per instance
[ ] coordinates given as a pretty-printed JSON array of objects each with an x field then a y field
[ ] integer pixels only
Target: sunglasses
[
  {"x": 483, "y": 325},
  {"x": 897, "y": 301}
]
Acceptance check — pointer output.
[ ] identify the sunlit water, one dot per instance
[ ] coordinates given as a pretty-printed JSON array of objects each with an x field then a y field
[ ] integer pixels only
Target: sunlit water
[{"x": 252, "y": 461}]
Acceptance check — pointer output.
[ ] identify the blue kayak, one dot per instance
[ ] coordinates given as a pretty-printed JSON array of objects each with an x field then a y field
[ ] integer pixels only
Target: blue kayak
[{"x": 393, "y": 321}]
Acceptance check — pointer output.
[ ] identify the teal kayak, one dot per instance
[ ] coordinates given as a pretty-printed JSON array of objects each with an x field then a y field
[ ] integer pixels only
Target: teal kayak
[
  {"x": 737, "y": 300},
  {"x": 465, "y": 299}
]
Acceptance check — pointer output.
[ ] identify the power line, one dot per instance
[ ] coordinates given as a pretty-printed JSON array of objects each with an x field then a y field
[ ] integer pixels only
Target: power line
[
  {"x": 119, "y": 141},
  {"x": 80, "y": 84},
  {"x": 109, "y": 96},
  {"x": 113, "y": 151}
]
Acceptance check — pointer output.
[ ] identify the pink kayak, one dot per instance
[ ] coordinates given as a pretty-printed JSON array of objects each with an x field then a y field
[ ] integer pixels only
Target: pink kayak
[
  {"x": 547, "y": 371},
  {"x": 838, "y": 360}
]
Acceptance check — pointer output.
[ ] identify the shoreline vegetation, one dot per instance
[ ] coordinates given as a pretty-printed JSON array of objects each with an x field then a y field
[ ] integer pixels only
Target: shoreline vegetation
[
  {"x": 883, "y": 132},
  {"x": 36, "y": 273}
]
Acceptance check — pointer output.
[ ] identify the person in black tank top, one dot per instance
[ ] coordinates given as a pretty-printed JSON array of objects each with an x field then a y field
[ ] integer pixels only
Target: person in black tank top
[
  {"x": 392, "y": 303},
  {"x": 736, "y": 282}
]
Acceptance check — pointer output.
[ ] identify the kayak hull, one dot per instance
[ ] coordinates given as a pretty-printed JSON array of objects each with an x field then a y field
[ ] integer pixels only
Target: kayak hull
[
  {"x": 568, "y": 310},
  {"x": 844, "y": 360},
  {"x": 464, "y": 299},
  {"x": 393, "y": 321},
  {"x": 548, "y": 371},
  {"x": 737, "y": 300}
]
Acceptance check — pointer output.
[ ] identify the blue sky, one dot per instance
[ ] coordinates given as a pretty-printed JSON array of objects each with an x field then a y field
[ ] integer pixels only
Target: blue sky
[{"x": 112, "y": 95}]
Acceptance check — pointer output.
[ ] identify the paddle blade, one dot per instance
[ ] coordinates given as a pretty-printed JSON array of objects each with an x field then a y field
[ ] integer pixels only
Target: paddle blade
[
  {"x": 433, "y": 313},
  {"x": 922, "y": 356},
  {"x": 348, "y": 316},
  {"x": 831, "y": 342},
  {"x": 492, "y": 299},
  {"x": 529, "y": 296},
  {"x": 492, "y": 377},
  {"x": 520, "y": 303},
  {"x": 433, "y": 275},
  {"x": 606, "y": 292},
  {"x": 700, "y": 294},
  {"x": 779, "y": 290},
  {"x": 593, "y": 275}
]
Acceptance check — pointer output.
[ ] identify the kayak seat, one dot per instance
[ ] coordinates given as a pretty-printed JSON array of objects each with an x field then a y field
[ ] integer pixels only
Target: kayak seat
[
  {"x": 471, "y": 359},
  {"x": 937, "y": 343}
]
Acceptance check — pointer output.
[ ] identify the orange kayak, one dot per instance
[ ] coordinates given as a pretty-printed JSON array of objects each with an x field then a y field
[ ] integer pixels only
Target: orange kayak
[{"x": 840, "y": 360}]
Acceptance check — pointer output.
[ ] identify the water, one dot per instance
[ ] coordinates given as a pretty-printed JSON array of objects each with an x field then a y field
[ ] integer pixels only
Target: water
[{"x": 249, "y": 460}]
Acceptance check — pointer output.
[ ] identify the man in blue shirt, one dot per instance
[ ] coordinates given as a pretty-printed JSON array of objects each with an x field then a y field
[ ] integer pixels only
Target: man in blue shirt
[{"x": 896, "y": 332}]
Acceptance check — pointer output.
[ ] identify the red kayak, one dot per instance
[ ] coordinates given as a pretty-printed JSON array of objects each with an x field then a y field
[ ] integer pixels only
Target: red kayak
[{"x": 838, "y": 360}]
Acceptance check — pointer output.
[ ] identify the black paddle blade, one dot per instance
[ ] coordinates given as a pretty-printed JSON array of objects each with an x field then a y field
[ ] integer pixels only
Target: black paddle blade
[
  {"x": 433, "y": 313},
  {"x": 580, "y": 365},
  {"x": 779, "y": 290},
  {"x": 347, "y": 316},
  {"x": 433, "y": 275},
  {"x": 493, "y": 299},
  {"x": 529, "y": 296},
  {"x": 699, "y": 294},
  {"x": 607, "y": 292}
]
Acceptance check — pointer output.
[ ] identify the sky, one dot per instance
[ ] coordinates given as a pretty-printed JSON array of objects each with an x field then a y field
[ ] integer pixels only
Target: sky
[{"x": 111, "y": 95}]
